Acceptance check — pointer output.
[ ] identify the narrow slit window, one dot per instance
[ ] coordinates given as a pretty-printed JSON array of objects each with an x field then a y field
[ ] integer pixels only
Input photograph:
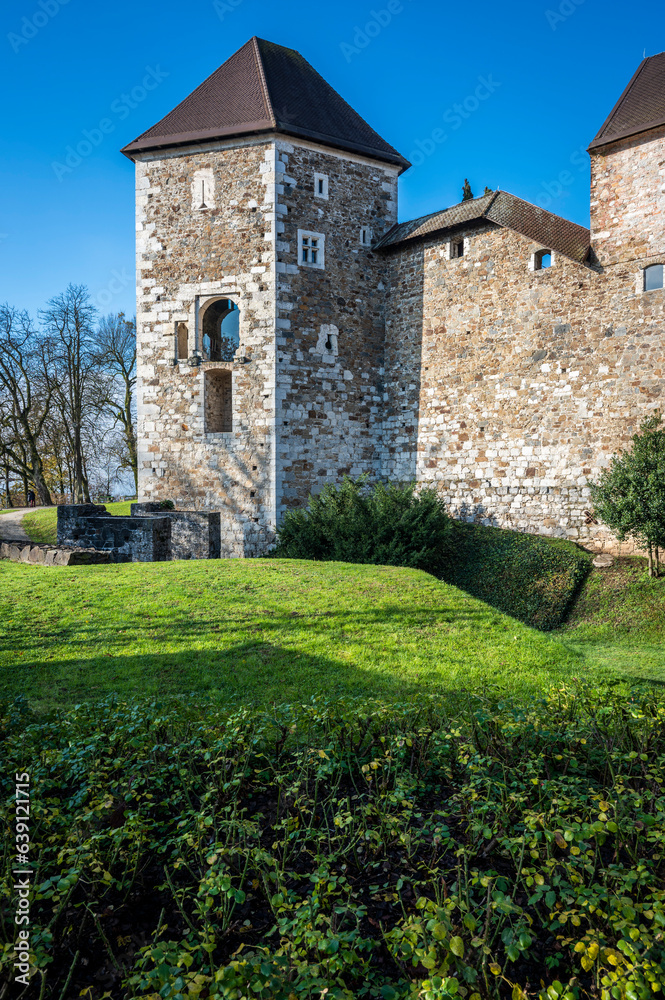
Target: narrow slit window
[
  {"x": 653, "y": 277},
  {"x": 366, "y": 236},
  {"x": 321, "y": 186},
  {"x": 183, "y": 342}
]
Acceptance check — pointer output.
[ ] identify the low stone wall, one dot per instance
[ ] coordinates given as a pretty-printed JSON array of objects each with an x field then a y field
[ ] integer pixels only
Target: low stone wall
[
  {"x": 45, "y": 555},
  {"x": 150, "y": 534}
]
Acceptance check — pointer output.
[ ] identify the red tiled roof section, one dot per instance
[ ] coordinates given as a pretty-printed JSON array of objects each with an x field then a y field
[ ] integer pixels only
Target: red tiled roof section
[
  {"x": 641, "y": 106},
  {"x": 503, "y": 209},
  {"x": 265, "y": 87}
]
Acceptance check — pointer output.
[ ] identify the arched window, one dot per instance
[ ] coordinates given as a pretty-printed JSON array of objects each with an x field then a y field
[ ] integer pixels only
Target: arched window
[
  {"x": 542, "y": 260},
  {"x": 653, "y": 277},
  {"x": 220, "y": 331}
]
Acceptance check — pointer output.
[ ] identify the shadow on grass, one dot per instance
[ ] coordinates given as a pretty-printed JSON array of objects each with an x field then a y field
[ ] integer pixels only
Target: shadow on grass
[
  {"x": 140, "y": 626},
  {"x": 249, "y": 674}
]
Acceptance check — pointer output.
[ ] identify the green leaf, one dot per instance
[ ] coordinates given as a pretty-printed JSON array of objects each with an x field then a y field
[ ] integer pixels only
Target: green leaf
[
  {"x": 457, "y": 947},
  {"x": 439, "y": 932}
]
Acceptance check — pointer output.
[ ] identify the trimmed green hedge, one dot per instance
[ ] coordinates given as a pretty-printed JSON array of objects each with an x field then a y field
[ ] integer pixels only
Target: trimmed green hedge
[{"x": 532, "y": 578}]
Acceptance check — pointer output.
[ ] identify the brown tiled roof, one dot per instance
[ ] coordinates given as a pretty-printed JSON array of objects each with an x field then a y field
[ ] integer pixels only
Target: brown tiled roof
[
  {"x": 640, "y": 107},
  {"x": 503, "y": 209},
  {"x": 266, "y": 88},
  {"x": 542, "y": 227},
  {"x": 466, "y": 211}
]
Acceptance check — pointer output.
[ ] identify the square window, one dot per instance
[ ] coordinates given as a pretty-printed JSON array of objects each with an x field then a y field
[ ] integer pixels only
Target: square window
[
  {"x": 311, "y": 249},
  {"x": 653, "y": 277},
  {"x": 321, "y": 186}
]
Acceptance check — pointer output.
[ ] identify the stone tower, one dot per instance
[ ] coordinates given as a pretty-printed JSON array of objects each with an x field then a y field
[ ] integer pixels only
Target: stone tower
[
  {"x": 628, "y": 174},
  {"x": 261, "y": 307}
]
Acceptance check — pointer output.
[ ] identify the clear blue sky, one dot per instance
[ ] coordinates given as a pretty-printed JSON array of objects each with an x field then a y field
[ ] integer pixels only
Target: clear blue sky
[{"x": 548, "y": 75}]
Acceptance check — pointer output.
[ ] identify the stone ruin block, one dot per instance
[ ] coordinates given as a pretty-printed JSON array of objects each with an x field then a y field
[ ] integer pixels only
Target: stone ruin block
[
  {"x": 126, "y": 539},
  {"x": 195, "y": 534},
  {"x": 150, "y": 534}
]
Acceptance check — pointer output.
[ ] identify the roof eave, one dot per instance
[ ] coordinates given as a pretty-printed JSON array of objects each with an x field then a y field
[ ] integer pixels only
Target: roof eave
[
  {"x": 627, "y": 134},
  {"x": 154, "y": 143},
  {"x": 141, "y": 145},
  {"x": 383, "y": 243}
]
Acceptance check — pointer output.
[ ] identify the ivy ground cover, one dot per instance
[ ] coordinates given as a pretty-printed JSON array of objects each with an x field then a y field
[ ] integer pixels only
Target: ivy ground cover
[{"x": 479, "y": 849}]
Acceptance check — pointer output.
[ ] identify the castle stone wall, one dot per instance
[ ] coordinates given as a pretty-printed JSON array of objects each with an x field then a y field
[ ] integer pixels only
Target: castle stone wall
[
  {"x": 508, "y": 389},
  {"x": 330, "y": 321}
]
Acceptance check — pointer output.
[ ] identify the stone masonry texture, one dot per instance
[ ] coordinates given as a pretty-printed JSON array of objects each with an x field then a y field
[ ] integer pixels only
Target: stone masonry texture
[{"x": 504, "y": 387}]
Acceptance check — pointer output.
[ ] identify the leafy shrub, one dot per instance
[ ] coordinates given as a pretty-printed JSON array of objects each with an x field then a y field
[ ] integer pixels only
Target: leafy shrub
[
  {"x": 478, "y": 850},
  {"x": 532, "y": 578},
  {"x": 629, "y": 497},
  {"x": 385, "y": 525}
]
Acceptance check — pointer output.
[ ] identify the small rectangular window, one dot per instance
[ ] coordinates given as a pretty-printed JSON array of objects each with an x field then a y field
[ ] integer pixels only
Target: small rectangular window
[
  {"x": 321, "y": 186},
  {"x": 218, "y": 401},
  {"x": 457, "y": 249},
  {"x": 653, "y": 277},
  {"x": 366, "y": 236},
  {"x": 311, "y": 249}
]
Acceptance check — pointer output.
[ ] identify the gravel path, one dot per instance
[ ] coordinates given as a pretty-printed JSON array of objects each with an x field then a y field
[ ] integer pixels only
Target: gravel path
[{"x": 10, "y": 526}]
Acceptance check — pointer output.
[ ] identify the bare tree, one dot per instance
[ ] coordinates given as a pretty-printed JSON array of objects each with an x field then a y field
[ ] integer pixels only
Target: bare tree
[
  {"x": 73, "y": 371},
  {"x": 115, "y": 341},
  {"x": 26, "y": 397}
]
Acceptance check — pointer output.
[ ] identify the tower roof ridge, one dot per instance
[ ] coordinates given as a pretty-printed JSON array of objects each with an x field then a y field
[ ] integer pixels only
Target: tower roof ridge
[
  {"x": 641, "y": 106},
  {"x": 265, "y": 87}
]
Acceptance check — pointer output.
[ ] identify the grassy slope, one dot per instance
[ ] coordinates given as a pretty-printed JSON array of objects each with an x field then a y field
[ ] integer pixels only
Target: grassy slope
[
  {"x": 42, "y": 525},
  {"x": 619, "y": 621},
  {"x": 253, "y": 632}
]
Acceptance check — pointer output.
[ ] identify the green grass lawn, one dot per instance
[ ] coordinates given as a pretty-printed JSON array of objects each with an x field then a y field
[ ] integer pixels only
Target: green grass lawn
[
  {"x": 259, "y": 631},
  {"x": 41, "y": 526},
  {"x": 619, "y": 621}
]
